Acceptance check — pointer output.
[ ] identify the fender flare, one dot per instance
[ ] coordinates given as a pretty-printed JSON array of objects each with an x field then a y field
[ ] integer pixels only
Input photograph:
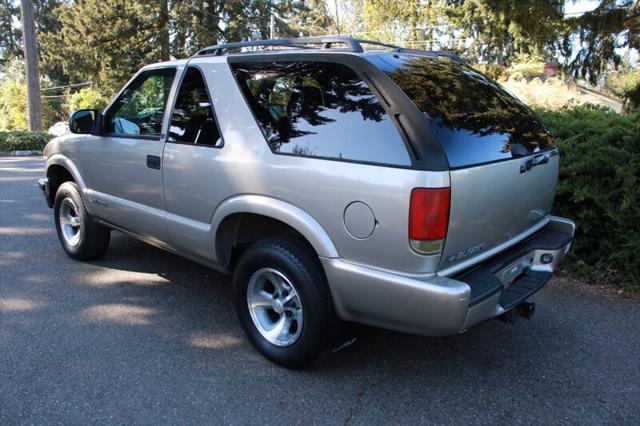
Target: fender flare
[
  {"x": 280, "y": 210},
  {"x": 63, "y": 161}
]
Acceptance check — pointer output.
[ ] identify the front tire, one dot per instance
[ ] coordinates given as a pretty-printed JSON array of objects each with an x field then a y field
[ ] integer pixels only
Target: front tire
[
  {"x": 282, "y": 300},
  {"x": 81, "y": 237}
]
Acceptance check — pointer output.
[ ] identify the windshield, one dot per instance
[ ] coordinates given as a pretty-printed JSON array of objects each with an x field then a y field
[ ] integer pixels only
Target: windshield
[{"x": 474, "y": 118}]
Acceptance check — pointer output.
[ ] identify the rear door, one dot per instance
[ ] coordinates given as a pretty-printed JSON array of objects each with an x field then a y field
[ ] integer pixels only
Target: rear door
[{"x": 503, "y": 163}]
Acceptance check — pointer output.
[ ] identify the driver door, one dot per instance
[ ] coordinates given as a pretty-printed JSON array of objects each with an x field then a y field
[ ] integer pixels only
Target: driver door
[{"x": 122, "y": 167}]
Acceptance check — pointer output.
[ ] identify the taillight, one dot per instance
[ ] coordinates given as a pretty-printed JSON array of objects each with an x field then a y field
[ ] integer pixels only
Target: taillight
[{"x": 429, "y": 219}]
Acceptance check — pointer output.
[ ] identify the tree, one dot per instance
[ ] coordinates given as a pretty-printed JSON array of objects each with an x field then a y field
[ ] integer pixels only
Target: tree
[
  {"x": 626, "y": 84},
  {"x": 250, "y": 19},
  {"x": 612, "y": 25},
  {"x": 311, "y": 18},
  {"x": 499, "y": 30},
  {"x": 34, "y": 102},
  {"x": 402, "y": 20},
  {"x": 86, "y": 98},
  {"x": 194, "y": 25},
  {"x": 13, "y": 98},
  {"x": 106, "y": 41},
  {"x": 10, "y": 32}
]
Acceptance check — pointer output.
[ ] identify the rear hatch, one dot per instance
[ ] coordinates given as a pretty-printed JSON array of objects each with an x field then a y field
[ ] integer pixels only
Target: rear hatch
[{"x": 503, "y": 162}]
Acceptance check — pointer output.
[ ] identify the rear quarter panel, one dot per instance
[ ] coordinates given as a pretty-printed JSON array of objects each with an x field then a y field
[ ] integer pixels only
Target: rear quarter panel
[{"x": 321, "y": 188}]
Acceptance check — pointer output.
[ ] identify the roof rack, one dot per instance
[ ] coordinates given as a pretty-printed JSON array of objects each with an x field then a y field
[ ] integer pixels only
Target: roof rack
[
  {"x": 447, "y": 53},
  {"x": 325, "y": 42}
]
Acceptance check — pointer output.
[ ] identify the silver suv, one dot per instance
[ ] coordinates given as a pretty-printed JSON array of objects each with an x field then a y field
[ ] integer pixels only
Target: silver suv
[{"x": 339, "y": 185}]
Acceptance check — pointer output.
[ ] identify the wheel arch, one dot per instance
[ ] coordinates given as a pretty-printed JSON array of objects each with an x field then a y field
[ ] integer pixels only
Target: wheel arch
[
  {"x": 60, "y": 169},
  {"x": 246, "y": 218}
]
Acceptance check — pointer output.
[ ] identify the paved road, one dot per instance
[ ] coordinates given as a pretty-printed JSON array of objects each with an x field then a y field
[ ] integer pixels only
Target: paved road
[{"x": 143, "y": 336}]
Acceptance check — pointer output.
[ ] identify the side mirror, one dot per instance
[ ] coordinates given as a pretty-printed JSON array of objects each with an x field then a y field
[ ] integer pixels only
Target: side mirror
[{"x": 85, "y": 121}]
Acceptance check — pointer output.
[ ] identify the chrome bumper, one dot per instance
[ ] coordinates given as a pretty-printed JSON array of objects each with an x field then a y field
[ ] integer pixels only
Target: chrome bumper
[{"x": 436, "y": 305}]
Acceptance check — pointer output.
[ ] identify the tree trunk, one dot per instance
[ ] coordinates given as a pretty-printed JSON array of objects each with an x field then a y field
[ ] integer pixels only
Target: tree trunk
[
  {"x": 33, "y": 72},
  {"x": 164, "y": 31}
]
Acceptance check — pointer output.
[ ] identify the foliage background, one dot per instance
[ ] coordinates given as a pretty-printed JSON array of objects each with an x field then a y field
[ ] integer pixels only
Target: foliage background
[
  {"x": 599, "y": 186},
  {"x": 23, "y": 141}
]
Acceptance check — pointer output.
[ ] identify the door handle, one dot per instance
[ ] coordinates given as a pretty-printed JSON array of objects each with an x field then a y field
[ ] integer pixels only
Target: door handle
[
  {"x": 535, "y": 161},
  {"x": 153, "y": 162},
  {"x": 541, "y": 159}
]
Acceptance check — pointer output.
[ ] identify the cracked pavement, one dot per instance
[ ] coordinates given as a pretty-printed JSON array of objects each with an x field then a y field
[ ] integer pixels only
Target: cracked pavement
[{"x": 143, "y": 336}]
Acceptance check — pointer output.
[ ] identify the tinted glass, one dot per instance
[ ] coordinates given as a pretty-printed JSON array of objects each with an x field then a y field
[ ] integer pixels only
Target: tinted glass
[
  {"x": 192, "y": 120},
  {"x": 320, "y": 109},
  {"x": 140, "y": 108},
  {"x": 474, "y": 118}
]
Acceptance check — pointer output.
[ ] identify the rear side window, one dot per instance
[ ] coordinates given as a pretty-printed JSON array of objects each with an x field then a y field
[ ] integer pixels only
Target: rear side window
[
  {"x": 320, "y": 109},
  {"x": 474, "y": 118},
  {"x": 192, "y": 120}
]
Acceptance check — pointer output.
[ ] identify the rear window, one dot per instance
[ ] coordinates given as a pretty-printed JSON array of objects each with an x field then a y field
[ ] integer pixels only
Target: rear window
[
  {"x": 474, "y": 118},
  {"x": 320, "y": 109}
]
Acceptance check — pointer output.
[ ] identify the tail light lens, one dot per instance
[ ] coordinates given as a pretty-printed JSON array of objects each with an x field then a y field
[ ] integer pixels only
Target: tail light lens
[{"x": 429, "y": 219}]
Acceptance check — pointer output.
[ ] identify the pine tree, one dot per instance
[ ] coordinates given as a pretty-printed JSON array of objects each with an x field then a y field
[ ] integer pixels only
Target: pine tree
[{"x": 106, "y": 41}]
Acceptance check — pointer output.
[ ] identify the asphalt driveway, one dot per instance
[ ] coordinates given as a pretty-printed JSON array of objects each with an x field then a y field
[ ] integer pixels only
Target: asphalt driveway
[{"x": 143, "y": 336}]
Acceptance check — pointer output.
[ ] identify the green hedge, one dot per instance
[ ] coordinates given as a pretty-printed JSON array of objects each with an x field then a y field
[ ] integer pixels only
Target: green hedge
[
  {"x": 598, "y": 187},
  {"x": 23, "y": 141}
]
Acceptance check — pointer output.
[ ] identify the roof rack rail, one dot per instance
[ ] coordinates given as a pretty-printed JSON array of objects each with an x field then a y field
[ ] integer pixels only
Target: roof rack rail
[
  {"x": 447, "y": 53},
  {"x": 326, "y": 42}
]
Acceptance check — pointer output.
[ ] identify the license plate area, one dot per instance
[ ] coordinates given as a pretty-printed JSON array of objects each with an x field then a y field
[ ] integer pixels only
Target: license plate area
[{"x": 513, "y": 270}]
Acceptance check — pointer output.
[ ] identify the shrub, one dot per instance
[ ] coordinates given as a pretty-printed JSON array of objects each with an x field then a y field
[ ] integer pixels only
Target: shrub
[
  {"x": 493, "y": 71},
  {"x": 529, "y": 69},
  {"x": 13, "y": 98},
  {"x": 626, "y": 84},
  {"x": 13, "y": 107},
  {"x": 599, "y": 185},
  {"x": 553, "y": 93},
  {"x": 23, "y": 141},
  {"x": 525, "y": 65},
  {"x": 516, "y": 76},
  {"x": 86, "y": 98}
]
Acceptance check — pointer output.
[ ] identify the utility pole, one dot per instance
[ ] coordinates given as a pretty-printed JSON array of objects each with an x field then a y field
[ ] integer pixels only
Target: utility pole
[
  {"x": 33, "y": 72},
  {"x": 165, "y": 52}
]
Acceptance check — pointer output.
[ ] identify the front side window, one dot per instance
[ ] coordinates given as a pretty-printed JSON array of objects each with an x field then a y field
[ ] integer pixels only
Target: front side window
[
  {"x": 139, "y": 111},
  {"x": 320, "y": 109},
  {"x": 192, "y": 120}
]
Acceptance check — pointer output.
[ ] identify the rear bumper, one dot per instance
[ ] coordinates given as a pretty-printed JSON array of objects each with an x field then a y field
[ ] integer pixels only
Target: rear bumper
[{"x": 436, "y": 305}]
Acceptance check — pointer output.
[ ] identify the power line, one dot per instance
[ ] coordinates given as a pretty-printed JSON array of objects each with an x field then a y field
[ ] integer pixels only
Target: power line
[
  {"x": 86, "y": 83},
  {"x": 593, "y": 10}
]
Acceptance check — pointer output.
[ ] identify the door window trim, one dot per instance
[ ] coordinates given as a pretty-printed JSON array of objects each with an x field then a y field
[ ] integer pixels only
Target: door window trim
[
  {"x": 163, "y": 132},
  {"x": 173, "y": 102}
]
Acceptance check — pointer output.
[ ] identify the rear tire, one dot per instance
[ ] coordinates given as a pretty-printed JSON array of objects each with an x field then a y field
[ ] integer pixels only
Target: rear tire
[
  {"x": 283, "y": 303},
  {"x": 81, "y": 237}
]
